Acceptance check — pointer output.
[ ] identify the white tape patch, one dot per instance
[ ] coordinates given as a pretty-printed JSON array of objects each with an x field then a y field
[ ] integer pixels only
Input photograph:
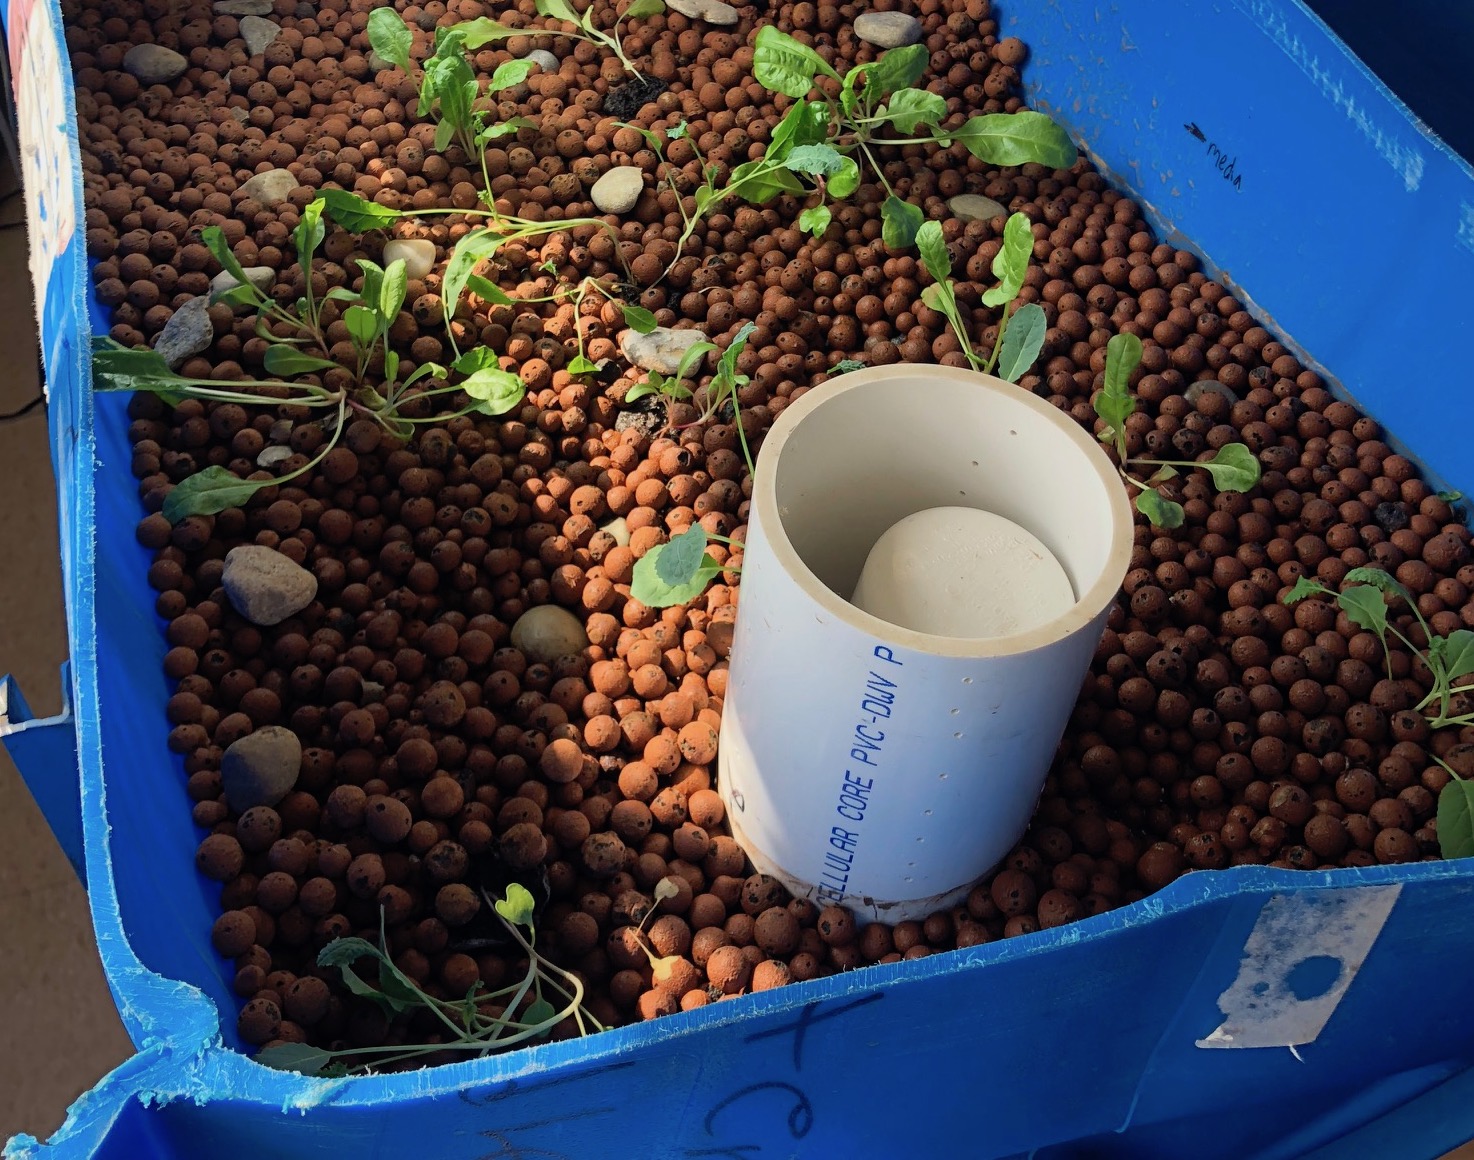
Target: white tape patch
[{"x": 1299, "y": 960}]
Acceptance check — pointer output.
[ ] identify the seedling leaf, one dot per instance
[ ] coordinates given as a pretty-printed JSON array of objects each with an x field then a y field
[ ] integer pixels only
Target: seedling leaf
[
  {"x": 308, "y": 235},
  {"x": 846, "y": 180},
  {"x": 666, "y": 889},
  {"x": 302, "y": 1058},
  {"x": 392, "y": 292},
  {"x": 934, "y": 254},
  {"x": 1163, "y": 513},
  {"x": 539, "y": 1013},
  {"x": 1458, "y": 654},
  {"x": 640, "y": 390},
  {"x": 356, "y": 215},
  {"x": 517, "y": 907},
  {"x": 1364, "y": 605},
  {"x": 504, "y": 129},
  {"x": 815, "y": 220},
  {"x": 693, "y": 358},
  {"x": 783, "y": 64},
  {"x": 682, "y": 556},
  {"x": 1233, "y": 468},
  {"x": 468, "y": 251},
  {"x": 581, "y": 365},
  {"x": 497, "y": 391},
  {"x": 483, "y": 31},
  {"x": 509, "y": 74},
  {"x": 845, "y": 366},
  {"x": 899, "y": 222},
  {"x": 478, "y": 358},
  {"x": 1304, "y": 588},
  {"x": 908, "y": 108},
  {"x": 1115, "y": 403},
  {"x": 286, "y": 362},
  {"x": 1022, "y": 342},
  {"x": 214, "y": 239},
  {"x": 896, "y": 70},
  {"x": 758, "y": 182},
  {"x": 1017, "y": 139},
  {"x": 559, "y": 10},
  {"x": 652, "y": 592},
  {"x": 807, "y": 123},
  {"x": 1011, "y": 263},
  {"x": 638, "y": 319},
  {"x": 488, "y": 291},
  {"x": 207, "y": 492},
  {"x": 1456, "y": 820},
  {"x": 815, "y": 160},
  {"x": 363, "y": 326},
  {"x": 643, "y": 9},
  {"x": 118, "y": 368},
  {"x": 1382, "y": 581},
  {"x": 389, "y": 36}
]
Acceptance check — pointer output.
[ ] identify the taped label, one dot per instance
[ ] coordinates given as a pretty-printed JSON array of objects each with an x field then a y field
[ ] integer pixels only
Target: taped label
[{"x": 1299, "y": 960}]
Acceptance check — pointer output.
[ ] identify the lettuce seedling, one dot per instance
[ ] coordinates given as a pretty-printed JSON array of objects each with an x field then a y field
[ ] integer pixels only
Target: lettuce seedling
[
  {"x": 1020, "y": 334},
  {"x": 1449, "y": 661}
]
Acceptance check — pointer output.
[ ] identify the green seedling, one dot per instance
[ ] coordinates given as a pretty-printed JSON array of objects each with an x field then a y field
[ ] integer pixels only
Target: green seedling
[
  {"x": 879, "y": 105},
  {"x": 672, "y": 387},
  {"x": 1233, "y": 467},
  {"x": 1020, "y": 334},
  {"x": 480, "y": 1023},
  {"x": 678, "y": 571},
  {"x": 584, "y": 22},
  {"x": 1449, "y": 661},
  {"x": 450, "y": 91},
  {"x": 490, "y": 390}
]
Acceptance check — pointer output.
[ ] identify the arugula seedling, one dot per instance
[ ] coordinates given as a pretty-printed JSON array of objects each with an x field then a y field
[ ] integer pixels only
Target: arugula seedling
[
  {"x": 1020, "y": 336},
  {"x": 449, "y": 87},
  {"x": 881, "y": 96},
  {"x": 491, "y": 390},
  {"x": 678, "y": 571},
  {"x": 1233, "y": 466},
  {"x": 672, "y": 387},
  {"x": 1450, "y": 662},
  {"x": 479, "y": 1023}
]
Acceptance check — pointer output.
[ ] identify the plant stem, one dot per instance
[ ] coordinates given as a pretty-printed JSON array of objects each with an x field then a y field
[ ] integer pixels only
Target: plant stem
[{"x": 998, "y": 341}]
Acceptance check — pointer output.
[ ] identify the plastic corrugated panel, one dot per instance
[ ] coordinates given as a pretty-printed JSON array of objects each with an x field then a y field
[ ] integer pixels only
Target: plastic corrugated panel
[{"x": 1245, "y": 1013}]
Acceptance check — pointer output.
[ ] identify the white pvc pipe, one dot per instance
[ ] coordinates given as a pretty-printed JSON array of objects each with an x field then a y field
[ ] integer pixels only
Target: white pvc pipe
[{"x": 866, "y": 764}]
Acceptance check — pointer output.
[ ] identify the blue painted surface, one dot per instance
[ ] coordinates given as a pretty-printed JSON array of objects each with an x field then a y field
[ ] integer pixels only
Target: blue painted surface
[
  {"x": 1076, "y": 1042},
  {"x": 45, "y": 751}
]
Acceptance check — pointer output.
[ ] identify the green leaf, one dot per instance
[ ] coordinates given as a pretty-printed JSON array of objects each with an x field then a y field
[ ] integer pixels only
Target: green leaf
[
  {"x": 343, "y": 294},
  {"x": 1304, "y": 588},
  {"x": 209, "y": 491},
  {"x": 681, "y": 559},
  {"x": 909, "y": 108},
  {"x": 505, "y": 129},
  {"x": 899, "y": 222},
  {"x": 933, "y": 248},
  {"x": 759, "y": 182},
  {"x": 939, "y": 296},
  {"x": 845, "y": 366},
  {"x": 1233, "y": 468},
  {"x": 286, "y": 362},
  {"x": 1011, "y": 263},
  {"x": 581, "y": 365},
  {"x": 483, "y": 31},
  {"x": 389, "y": 36},
  {"x": 540, "y": 1013},
  {"x": 1016, "y": 139},
  {"x": 807, "y": 123},
  {"x": 693, "y": 358},
  {"x": 517, "y": 907},
  {"x": 1022, "y": 341},
  {"x": 510, "y": 74},
  {"x": 488, "y": 291},
  {"x": 1382, "y": 581},
  {"x": 426, "y": 370},
  {"x": 444, "y": 133},
  {"x": 309, "y": 232},
  {"x": 897, "y": 69},
  {"x": 243, "y": 295},
  {"x": 727, "y": 365},
  {"x": 302, "y": 1058},
  {"x": 846, "y": 181},
  {"x": 214, "y": 239},
  {"x": 391, "y": 294},
  {"x": 815, "y": 160},
  {"x": 1456, "y": 819},
  {"x": 356, "y": 215},
  {"x": 638, "y": 319},
  {"x": 478, "y": 358},
  {"x": 1458, "y": 653},
  {"x": 398, "y": 987},
  {"x": 1450, "y": 496},
  {"x": 117, "y": 368},
  {"x": 647, "y": 587},
  {"x": 391, "y": 365},
  {"x": 497, "y": 391},
  {"x": 815, "y": 220},
  {"x": 363, "y": 326},
  {"x": 1163, "y": 513},
  {"x": 781, "y": 63},
  {"x": 643, "y": 9},
  {"x": 1365, "y": 607},
  {"x": 1115, "y": 402},
  {"x": 640, "y": 390},
  {"x": 559, "y": 10},
  {"x": 472, "y": 248}
]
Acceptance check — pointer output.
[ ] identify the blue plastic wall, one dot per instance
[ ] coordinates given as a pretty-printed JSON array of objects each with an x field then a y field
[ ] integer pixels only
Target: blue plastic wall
[{"x": 1244, "y": 1013}]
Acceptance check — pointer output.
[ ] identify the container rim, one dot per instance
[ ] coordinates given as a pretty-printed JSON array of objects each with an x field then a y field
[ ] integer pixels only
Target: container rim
[{"x": 1088, "y": 604}]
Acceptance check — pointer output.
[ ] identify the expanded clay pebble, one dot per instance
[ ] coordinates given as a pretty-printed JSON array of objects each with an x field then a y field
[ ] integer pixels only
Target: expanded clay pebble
[{"x": 445, "y": 744}]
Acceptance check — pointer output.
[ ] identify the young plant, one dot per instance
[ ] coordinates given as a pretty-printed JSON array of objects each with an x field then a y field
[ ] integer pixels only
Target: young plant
[
  {"x": 450, "y": 91},
  {"x": 1233, "y": 466},
  {"x": 584, "y": 22},
  {"x": 672, "y": 387},
  {"x": 678, "y": 571},
  {"x": 1449, "y": 661},
  {"x": 879, "y": 105},
  {"x": 1020, "y": 334},
  {"x": 478, "y": 1024},
  {"x": 491, "y": 390}
]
